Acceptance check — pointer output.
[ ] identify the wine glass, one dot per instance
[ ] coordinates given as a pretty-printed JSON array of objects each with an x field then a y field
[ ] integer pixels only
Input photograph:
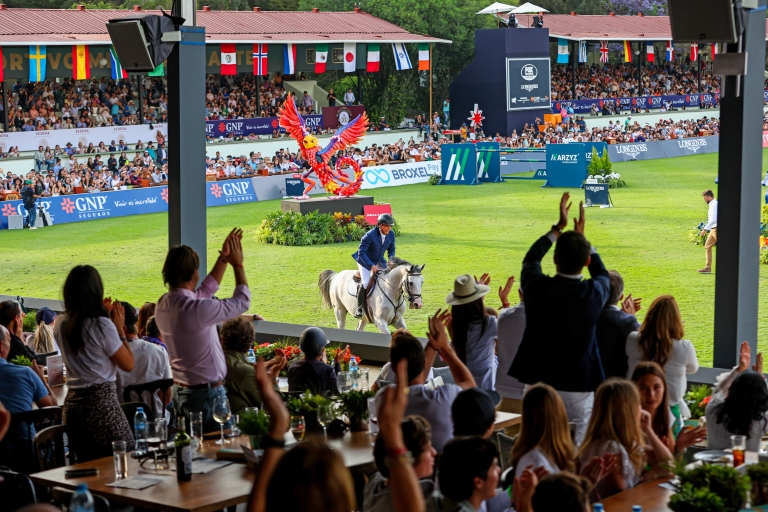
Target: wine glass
[
  {"x": 324, "y": 418},
  {"x": 298, "y": 427},
  {"x": 221, "y": 413},
  {"x": 156, "y": 436}
]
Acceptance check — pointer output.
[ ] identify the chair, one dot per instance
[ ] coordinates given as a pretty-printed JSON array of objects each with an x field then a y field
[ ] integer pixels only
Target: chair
[
  {"x": 62, "y": 497},
  {"x": 129, "y": 409},
  {"x": 49, "y": 448},
  {"x": 445, "y": 373},
  {"x": 16, "y": 490},
  {"x": 505, "y": 444},
  {"x": 18, "y": 454},
  {"x": 13, "y": 196},
  {"x": 150, "y": 388}
]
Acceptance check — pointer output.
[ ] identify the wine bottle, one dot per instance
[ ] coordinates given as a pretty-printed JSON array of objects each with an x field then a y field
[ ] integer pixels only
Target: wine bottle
[{"x": 183, "y": 454}]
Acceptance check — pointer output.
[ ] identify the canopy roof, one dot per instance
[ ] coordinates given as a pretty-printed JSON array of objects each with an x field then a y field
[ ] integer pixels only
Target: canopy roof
[
  {"x": 88, "y": 26},
  {"x": 496, "y": 7}
]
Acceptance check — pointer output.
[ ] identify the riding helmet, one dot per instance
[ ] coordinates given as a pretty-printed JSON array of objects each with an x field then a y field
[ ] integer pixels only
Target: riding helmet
[
  {"x": 312, "y": 342},
  {"x": 386, "y": 219}
]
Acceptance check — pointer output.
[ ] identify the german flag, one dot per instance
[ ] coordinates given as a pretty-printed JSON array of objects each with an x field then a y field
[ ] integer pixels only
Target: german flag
[{"x": 81, "y": 62}]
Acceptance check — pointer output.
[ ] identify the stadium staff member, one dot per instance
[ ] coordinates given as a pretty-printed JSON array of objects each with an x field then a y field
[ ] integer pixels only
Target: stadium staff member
[
  {"x": 370, "y": 255},
  {"x": 711, "y": 226},
  {"x": 28, "y": 196}
]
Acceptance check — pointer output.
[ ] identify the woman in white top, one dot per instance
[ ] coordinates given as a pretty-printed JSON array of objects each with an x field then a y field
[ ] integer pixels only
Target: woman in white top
[
  {"x": 90, "y": 334},
  {"x": 660, "y": 340}
]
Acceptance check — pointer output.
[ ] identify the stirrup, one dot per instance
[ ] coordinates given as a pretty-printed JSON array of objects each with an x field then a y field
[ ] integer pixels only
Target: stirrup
[{"x": 358, "y": 312}]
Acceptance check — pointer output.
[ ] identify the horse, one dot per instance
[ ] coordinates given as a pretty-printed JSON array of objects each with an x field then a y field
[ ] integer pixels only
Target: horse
[{"x": 387, "y": 294}]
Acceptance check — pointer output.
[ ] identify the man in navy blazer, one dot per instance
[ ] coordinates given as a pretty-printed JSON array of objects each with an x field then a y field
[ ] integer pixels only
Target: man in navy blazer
[
  {"x": 559, "y": 345},
  {"x": 614, "y": 326},
  {"x": 370, "y": 255}
]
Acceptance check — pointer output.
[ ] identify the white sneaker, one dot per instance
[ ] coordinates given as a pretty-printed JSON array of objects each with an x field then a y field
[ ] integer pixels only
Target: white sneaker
[{"x": 32, "y": 227}]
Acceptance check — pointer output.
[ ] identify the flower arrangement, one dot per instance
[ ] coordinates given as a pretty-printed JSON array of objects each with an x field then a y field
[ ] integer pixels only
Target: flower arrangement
[
  {"x": 764, "y": 235},
  {"x": 694, "y": 235},
  {"x": 306, "y": 405},
  {"x": 267, "y": 351},
  {"x": 330, "y": 353},
  {"x": 354, "y": 405},
  {"x": 601, "y": 168},
  {"x": 292, "y": 228},
  {"x": 697, "y": 399}
]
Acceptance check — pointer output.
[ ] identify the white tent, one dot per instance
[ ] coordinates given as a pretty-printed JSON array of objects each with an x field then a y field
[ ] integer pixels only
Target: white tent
[
  {"x": 528, "y": 8},
  {"x": 496, "y": 8}
]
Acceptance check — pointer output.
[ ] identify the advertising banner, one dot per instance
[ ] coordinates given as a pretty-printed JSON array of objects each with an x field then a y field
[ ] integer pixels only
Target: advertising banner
[
  {"x": 765, "y": 139},
  {"x": 488, "y": 162},
  {"x": 596, "y": 194},
  {"x": 528, "y": 83},
  {"x": 29, "y": 141},
  {"x": 649, "y": 102},
  {"x": 567, "y": 164},
  {"x": 459, "y": 164},
  {"x": 636, "y": 151},
  {"x": 399, "y": 174},
  {"x": 686, "y": 147},
  {"x": 333, "y": 117},
  {"x": 257, "y": 126},
  {"x": 372, "y": 212}
]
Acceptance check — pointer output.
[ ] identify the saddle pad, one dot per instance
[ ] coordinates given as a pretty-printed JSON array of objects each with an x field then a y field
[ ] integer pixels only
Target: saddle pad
[{"x": 352, "y": 288}]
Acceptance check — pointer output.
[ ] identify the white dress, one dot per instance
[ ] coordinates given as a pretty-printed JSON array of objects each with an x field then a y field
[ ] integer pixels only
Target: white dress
[
  {"x": 538, "y": 459},
  {"x": 600, "y": 448}
]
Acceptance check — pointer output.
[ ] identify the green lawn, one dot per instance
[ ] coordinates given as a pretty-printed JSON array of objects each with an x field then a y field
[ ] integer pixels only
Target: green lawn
[{"x": 452, "y": 229}]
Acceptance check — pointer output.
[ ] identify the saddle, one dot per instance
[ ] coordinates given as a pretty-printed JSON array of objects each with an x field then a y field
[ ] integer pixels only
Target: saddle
[{"x": 354, "y": 288}]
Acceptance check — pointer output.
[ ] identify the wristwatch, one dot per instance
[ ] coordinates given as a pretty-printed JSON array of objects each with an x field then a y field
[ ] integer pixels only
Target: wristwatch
[
  {"x": 271, "y": 442},
  {"x": 556, "y": 229}
]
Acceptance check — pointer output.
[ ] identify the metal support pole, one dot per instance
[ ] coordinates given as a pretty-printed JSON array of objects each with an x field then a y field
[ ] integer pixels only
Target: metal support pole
[
  {"x": 639, "y": 68},
  {"x": 430, "y": 83},
  {"x": 140, "y": 83},
  {"x": 186, "y": 133},
  {"x": 573, "y": 70},
  {"x": 738, "y": 216},
  {"x": 258, "y": 96},
  {"x": 359, "y": 87}
]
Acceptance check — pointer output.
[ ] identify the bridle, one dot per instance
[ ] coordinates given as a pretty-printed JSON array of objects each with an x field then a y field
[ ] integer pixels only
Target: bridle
[{"x": 405, "y": 291}]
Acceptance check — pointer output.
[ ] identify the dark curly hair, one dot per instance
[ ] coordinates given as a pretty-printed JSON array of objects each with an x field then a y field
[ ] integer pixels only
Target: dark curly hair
[
  {"x": 237, "y": 334},
  {"x": 747, "y": 402}
]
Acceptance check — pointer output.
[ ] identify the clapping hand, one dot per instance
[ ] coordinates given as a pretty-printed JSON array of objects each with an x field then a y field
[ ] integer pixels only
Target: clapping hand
[
  {"x": 758, "y": 366},
  {"x": 578, "y": 224},
  {"x": 564, "y": 207},
  {"x": 598, "y": 468},
  {"x": 279, "y": 419},
  {"x": 504, "y": 292},
  {"x": 690, "y": 436},
  {"x": 745, "y": 357},
  {"x": 484, "y": 279},
  {"x": 438, "y": 339},
  {"x": 232, "y": 248},
  {"x": 445, "y": 318},
  {"x": 117, "y": 314},
  {"x": 629, "y": 305}
]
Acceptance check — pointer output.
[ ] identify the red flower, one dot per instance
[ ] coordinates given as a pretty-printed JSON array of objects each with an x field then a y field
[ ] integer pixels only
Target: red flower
[
  {"x": 263, "y": 345},
  {"x": 357, "y": 358},
  {"x": 705, "y": 401}
]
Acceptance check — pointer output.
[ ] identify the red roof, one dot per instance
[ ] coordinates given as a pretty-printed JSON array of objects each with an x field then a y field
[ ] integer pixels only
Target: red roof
[
  {"x": 70, "y": 26},
  {"x": 611, "y": 28}
]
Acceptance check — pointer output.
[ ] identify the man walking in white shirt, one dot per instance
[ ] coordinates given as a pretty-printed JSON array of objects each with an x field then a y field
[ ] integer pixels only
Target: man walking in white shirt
[{"x": 711, "y": 226}]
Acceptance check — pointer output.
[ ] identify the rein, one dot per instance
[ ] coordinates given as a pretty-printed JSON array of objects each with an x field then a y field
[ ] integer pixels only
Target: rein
[{"x": 404, "y": 292}]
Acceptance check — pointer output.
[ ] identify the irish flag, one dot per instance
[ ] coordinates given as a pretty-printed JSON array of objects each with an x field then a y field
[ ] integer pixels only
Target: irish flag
[
  {"x": 81, "y": 62},
  {"x": 374, "y": 56},
  {"x": 228, "y": 59},
  {"x": 423, "y": 56},
  {"x": 321, "y": 57}
]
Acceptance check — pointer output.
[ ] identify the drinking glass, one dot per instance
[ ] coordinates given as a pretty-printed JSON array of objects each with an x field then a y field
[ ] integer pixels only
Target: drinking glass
[
  {"x": 738, "y": 445},
  {"x": 344, "y": 381},
  {"x": 298, "y": 427},
  {"x": 373, "y": 424},
  {"x": 196, "y": 430},
  {"x": 324, "y": 418},
  {"x": 233, "y": 430},
  {"x": 157, "y": 433},
  {"x": 120, "y": 454},
  {"x": 221, "y": 413},
  {"x": 364, "y": 378}
]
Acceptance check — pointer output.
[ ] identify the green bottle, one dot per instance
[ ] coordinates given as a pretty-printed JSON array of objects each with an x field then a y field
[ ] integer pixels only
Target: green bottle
[{"x": 183, "y": 454}]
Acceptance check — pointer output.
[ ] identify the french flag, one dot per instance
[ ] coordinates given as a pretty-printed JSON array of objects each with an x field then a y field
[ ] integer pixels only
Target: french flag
[{"x": 289, "y": 59}]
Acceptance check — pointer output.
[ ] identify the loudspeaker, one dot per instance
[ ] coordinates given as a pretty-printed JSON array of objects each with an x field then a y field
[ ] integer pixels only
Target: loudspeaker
[
  {"x": 694, "y": 21},
  {"x": 138, "y": 41}
]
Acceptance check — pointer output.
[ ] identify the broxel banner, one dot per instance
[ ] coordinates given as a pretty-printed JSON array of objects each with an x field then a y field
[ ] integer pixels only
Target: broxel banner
[
  {"x": 528, "y": 83},
  {"x": 399, "y": 174},
  {"x": 258, "y": 126},
  {"x": 649, "y": 102}
]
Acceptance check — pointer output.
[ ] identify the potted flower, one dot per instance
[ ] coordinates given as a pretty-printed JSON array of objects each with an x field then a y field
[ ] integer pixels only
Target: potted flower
[
  {"x": 697, "y": 399},
  {"x": 758, "y": 474},
  {"x": 709, "y": 487},
  {"x": 254, "y": 424},
  {"x": 306, "y": 405},
  {"x": 354, "y": 405}
]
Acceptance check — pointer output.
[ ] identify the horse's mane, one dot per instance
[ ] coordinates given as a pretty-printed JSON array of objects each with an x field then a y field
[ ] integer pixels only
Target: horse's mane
[{"x": 395, "y": 262}]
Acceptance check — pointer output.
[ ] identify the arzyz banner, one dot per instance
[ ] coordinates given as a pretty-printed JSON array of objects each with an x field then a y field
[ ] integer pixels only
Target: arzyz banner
[{"x": 567, "y": 164}]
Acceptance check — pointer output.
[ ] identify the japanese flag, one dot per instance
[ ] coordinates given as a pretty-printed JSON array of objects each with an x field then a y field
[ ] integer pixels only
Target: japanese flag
[{"x": 350, "y": 57}]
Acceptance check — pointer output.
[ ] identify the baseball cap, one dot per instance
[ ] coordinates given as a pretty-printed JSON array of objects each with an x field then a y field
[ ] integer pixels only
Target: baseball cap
[
  {"x": 473, "y": 411},
  {"x": 131, "y": 318},
  {"x": 28, "y": 182},
  {"x": 46, "y": 315}
]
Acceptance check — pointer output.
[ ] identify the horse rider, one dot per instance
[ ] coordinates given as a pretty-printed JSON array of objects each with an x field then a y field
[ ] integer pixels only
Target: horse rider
[{"x": 370, "y": 255}]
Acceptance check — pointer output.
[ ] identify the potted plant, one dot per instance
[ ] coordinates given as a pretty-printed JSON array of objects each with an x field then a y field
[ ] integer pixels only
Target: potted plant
[
  {"x": 306, "y": 405},
  {"x": 758, "y": 474},
  {"x": 709, "y": 487},
  {"x": 254, "y": 424},
  {"x": 697, "y": 399},
  {"x": 354, "y": 405}
]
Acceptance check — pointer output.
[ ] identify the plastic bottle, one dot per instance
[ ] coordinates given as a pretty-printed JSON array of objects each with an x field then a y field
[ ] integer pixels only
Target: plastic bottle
[
  {"x": 251, "y": 356},
  {"x": 353, "y": 371},
  {"x": 183, "y": 454},
  {"x": 81, "y": 501},
  {"x": 140, "y": 430},
  {"x": 637, "y": 508},
  {"x": 597, "y": 507}
]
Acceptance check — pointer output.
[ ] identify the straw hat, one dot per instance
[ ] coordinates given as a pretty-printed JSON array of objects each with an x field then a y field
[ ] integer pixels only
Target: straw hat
[{"x": 466, "y": 290}]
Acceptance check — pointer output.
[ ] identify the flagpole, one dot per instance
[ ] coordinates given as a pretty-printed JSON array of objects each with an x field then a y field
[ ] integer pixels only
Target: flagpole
[{"x": 430, "y": 85}]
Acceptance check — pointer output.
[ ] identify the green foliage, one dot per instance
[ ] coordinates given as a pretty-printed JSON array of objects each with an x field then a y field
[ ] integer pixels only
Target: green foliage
[
  {"x": 758, "y": 473},
  {"x": 307, "y": 405},
  {"x": 434, "y": 179},
  {"x": 695, "y": 236},
  {"x": 764, "y": 214},
  {"x": 697, "y": 399},
  {"x": 292, "y": 228},
  {"x": 354, "y": 404},
  {"x": 699, "y": 487},
  {"x": 254, "y": 423},
  {"x": 29, "y": 324},
  {"x": 595, "y": 163},
  {"x": 616, "y": 183},
  {"x": 22, "y": 361},
  {"x": 605, "y": 162}
]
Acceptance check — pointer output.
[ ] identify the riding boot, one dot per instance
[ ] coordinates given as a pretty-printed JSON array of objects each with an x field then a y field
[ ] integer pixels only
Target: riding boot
[{"x": 361, "y": 292}]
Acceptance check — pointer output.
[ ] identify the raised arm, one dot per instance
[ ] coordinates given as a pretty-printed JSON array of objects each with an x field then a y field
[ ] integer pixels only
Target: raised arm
[
  {"x": 532, "y": 261},
  {"x": 438, "y": 338}
]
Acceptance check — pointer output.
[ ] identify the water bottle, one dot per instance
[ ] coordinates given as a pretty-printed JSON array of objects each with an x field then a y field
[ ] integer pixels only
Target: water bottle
[
  {"x": 353, "y": 370},
  {"x": 81, "y": 501},
  {"x": 637, "y": 508},
  {"x": 597, "y": 507},
  {"x": 140, "y": 430},
  {"x": 251, "y": 356}
]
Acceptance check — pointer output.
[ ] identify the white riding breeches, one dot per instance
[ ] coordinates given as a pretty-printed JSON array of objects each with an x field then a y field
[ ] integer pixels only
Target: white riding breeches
[{"x": 365, "y": 275}]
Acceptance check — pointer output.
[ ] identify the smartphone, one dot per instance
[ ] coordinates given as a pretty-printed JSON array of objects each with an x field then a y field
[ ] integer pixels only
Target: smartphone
[{"x": 79, "y": 473}]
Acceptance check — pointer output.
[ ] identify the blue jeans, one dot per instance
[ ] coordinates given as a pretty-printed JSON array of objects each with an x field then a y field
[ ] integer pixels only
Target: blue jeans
[
  {"x": 199, "y": 400},
  {"x": 31, "y": 216}
]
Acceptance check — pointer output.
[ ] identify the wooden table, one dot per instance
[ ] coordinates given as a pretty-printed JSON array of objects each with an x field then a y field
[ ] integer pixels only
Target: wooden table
[
  {"x": 648, "y": 495},
  {"x": 506, "y": 419}
]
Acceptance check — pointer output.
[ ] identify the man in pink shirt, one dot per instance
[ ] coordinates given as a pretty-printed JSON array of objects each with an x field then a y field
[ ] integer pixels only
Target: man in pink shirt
[{"x": 187, "y": 316}]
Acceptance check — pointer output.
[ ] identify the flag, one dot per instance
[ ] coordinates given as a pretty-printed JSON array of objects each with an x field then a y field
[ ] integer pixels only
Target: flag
[
  {"x": 603, "y": 51},
  {"x": 37, "y": 62},
  {"x": 2, "y": 75},
  {"x": 650, "y": 53},
  {"x": 423, "y": 56},
  {"x": 228, "y": 59},
  {"x": 402, "y": 60},
  {"x": 627, "y": 51},
  {"x": 582, "y": 51},
  {"x": 289, "y": 59},
  {"x": 562, "y": 51},
  {"x": 713, "y": 46},
  {"x": 321, "y": 56},
  {"x": 81, "y": 62},
  {"x": 372, "y": 64},
  {"x": 350, "y": 57},
  {"x": 260, "y": 59},
  {"x": 117, "y": 68},
  {"x": 694, "y": 51},
  {"x": 158, "y": 71},
  {"x": 670, "y": 52}
]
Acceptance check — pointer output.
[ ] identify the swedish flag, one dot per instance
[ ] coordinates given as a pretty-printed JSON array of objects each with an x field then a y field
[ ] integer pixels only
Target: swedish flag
[{"x": 37, "y": 63}]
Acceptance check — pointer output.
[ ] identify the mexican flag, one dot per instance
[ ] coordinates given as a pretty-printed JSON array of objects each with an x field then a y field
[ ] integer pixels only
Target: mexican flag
[
  {"x": 228, "y": 59},
  {"x": 374, "y": 56},
  {"x": 423, "y": 56},
  {"x": 321, "y": 57}
]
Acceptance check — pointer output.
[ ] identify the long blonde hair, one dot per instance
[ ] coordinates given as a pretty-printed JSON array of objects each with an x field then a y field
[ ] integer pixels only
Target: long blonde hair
[
  {"x": 545, "y": 424},
  {"x": 661, "y": 327},
  {"x": 614, "y": 418},
  {"x": 43, "y": 342}
]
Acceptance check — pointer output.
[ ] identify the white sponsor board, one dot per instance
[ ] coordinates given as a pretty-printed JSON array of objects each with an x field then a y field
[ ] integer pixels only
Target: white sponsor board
[
  {"x": 29, "y": 141},
  {"x": 394, "y": 175}
]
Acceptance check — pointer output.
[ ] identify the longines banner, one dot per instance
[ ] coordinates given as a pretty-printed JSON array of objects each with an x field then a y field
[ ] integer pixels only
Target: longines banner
[
  {"x": 29, "y": 141},
  {"x": 528, "y": 83},
  {"x": 399, "y": 174},
  {"x": 663, "y": 149}
]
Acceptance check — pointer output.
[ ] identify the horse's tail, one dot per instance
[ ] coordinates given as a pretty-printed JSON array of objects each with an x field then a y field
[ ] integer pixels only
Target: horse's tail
[{"x": 324, "y": 283}]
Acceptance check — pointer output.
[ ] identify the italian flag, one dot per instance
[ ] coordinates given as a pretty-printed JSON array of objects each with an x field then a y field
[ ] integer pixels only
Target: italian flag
[
  {"x": 81, "y": 62},
  {"x": 374, "y": 56},
  {"x": 321, "y": 57},
  {"x": 423, "y": 56},
  {"x": 228, "y": 59}
]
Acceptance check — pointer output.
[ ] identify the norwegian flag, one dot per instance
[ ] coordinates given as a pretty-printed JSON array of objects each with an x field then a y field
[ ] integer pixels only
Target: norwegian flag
[
  {"x": 259, "y": 59},
  {"x": 670, "y": 52},
  {"x": 694, "y": 51},
  {"x": 603, "y": 51}
]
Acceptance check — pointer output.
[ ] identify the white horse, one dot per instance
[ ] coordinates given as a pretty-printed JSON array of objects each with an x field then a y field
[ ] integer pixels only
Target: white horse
[{"x": 386, "y": 301}]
